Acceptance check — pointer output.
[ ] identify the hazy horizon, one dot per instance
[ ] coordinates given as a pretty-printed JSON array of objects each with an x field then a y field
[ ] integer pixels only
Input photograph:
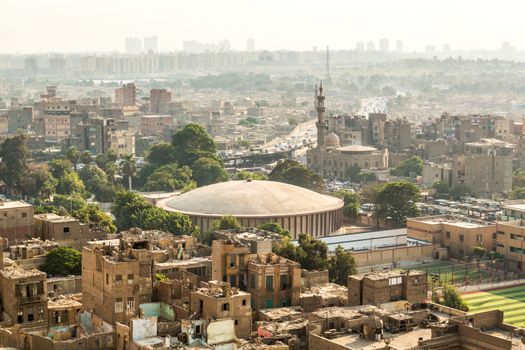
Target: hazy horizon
[{"x": 101, "y": 26}]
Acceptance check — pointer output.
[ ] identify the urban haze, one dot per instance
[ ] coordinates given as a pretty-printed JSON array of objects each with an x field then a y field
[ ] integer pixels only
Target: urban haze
[{"x": 275, "y": 175}]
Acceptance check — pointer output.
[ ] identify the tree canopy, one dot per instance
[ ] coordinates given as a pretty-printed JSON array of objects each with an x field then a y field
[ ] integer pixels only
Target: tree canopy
[
  {"x": 295, "y": 173},
  {"x": 276, "y": 228},
  {"x": 15, "y": 155},
  {"x": 245, "y": 175},
  {"x": 396, "y": 201},
  {"x": 452, "y": 298},
  {"x": 311, "y": 253},
  {"x": 192, "y": 143},
  {"x": 63, "y": 261},
  {"x": 352, "y": 203},
  {"x": 208, "y": 171},
  {"x": 227, "y": 222},
  {"x": 341, "y": 265},
  {"x": 409, "y": 167},
  {"x": 169, "y": 178}
]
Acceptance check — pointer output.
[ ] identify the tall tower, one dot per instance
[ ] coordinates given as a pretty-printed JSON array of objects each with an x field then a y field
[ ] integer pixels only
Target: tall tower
[
  {"x": 321, "y": 123},
  {"x": 328, "y": 76}
]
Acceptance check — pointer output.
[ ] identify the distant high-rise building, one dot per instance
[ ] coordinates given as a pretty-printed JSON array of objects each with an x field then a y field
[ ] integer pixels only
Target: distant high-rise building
[
  {"x": 328, "y": 76},
  {"x": 151, "y": 44},
  {"x": 133, "y": 46},
  {"x": 447, "y": 49},
  {"x": 250, "y": 45},
  {"x": 430, "y": 50},
  {"x": 360, "y": 46},
  {"x": 384, "y": 45},
  {"x": 126, "y": 95},
  {"x": 158, "y": 100},
  {"x": 31, "y": 65},
  {"x": 399, "y": 46},
  {"x": 370, "y": 46}
]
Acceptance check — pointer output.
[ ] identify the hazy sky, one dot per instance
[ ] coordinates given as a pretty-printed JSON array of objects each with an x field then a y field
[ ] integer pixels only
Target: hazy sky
[{"x": 102, "y": 25}]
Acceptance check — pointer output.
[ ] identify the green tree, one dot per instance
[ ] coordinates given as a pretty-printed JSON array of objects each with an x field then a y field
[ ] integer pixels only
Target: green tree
[
  {"x": 276, "y": 228},
  {"x": 128, "y": 169},
  {"x": 452, "y": 298},
  {"x": 442, "y": 188},
  {"x": 15, "y": 155},
  {"x": 63, "y": 261},
  {"x": 311, "y": 253},
  {"x": 208, "y": 171},
  {"x": 70, "y": 183},
  {"x": 352, "y": 171},
  {"x": 459, "y": 190},
  {"x": 73, "y": 155},
  {"x": 518, "y": 193},
  {"x": 97, "y": 183},
  {"x": 246, "y": 175},
  {"x": 161, "y": 154},
  {"x": 92, "y": 215},
  {"x": 227, "y": 222},
  {"x": 126, "y": 207},
  {"x": 60, "y": 167},
  {"x": 294, "y": 173},
  {"x": 86, "y": 157},
  {"x": 365, "y": 176},
  {"x": 413, "y": 165},
  {"x": 341, "y": 265},
  {"x": 169, "y": 178},
  {"x": 192, "y": 143},
  {"x": 397, "y": 201},
  {"x": 38, "y": 184},
  {"x": 154, "y": 218},
  {"x": 352, "y": 203}
]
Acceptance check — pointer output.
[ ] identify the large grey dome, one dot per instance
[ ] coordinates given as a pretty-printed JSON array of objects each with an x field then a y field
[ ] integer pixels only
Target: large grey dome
[{"x": 251, "y": 199}]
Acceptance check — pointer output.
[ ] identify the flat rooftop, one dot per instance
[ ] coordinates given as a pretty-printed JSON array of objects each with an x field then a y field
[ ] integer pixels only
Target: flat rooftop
[
  {"x": 14, "y": 205},
  {"x": 406, "y": 340},
  {"x": 452, "y": 220}
]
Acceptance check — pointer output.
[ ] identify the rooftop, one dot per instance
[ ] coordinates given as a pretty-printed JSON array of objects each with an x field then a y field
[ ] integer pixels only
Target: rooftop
[
  {"x": 16, "y": 272},
  {"x": 14, "y": 204},
  {"x": 55, "y": 218},
  {"x": 408, "y": 340},
  {"x": 357, "y": 149},
  {"x": 458, "y": 221},
  {"x": 250, "y": 199}
]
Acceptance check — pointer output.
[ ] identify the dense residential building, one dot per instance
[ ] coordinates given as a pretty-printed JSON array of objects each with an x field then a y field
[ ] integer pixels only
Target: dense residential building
[
  {"x": 126, "y": 96},
  {"x": 385, "y": 287},
  {"x": 219, "y": 300},
  {"x": 159, "y": 100},
  {"x": 485, "y": 167},
  {"x": 460, "y": 236},
  {"x": 16, "y": 220},
  {"x": 271, "y": 280}
]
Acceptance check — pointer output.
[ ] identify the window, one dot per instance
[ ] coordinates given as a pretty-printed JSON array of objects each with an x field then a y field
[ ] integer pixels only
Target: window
[
  {"x": 394, "y": 281},
  {"x": 107, "y": 278},
  {"x": 24, "y": 215},
  {"x": 30, "y": 315},
  {"x": 225, "y": 307},
  {"x": 130, "y": 278},
  {"x": 284, "y": 302},
  {"x": 232, "y": 281},
  {"x": 517, "y": 250},
  {"x": 66, "y": 229},
  {"x": 269, "y": 283},
  {"x": 448, "y": 234},
  {"x": 479, "y": 238},
  {"x": 461, "y": 237},
  {"x": 232, "y": 261},
  {"x": 236, "y": 322},
  {"x": 244, "y": 302},
  {"x": 284, "y": 282},
  {"x": 20, "y": 316},
  {"x": 268, "y": 303},
  {"x": 130, "y": 306},
  {"x": 252, "y": 281},
  {"x": 118, "y": 280},
  {"x": 119, "y": 305}
]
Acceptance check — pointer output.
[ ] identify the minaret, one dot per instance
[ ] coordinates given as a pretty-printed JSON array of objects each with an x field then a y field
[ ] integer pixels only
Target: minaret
[
  {"x": 321, "y": 123},
  {"x": 328, "y": 76}
]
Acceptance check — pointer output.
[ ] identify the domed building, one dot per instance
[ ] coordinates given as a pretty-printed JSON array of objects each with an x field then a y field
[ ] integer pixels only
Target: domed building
[
  {"x": 332, "y": 140},
  {"x": 254, "y": 203}
]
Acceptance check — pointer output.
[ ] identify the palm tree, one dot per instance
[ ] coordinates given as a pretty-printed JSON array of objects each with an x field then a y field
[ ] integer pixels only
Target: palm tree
[{"x": 129, "y": 167}]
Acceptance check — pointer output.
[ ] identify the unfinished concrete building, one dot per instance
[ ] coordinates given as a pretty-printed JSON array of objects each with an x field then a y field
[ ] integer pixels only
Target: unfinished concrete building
[
  {"x": 23, "y": 296},
  {"x": 377, "y": 288},
  {"x": 271, "y": 280},
  {"x": 220, "y": 301}
]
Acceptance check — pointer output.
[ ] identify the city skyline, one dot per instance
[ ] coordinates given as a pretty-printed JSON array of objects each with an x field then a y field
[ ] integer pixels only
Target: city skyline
[{"x": 338, "y": 24}]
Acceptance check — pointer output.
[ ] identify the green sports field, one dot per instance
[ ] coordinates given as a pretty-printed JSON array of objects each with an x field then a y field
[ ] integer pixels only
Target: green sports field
[
  {"x": 456, "y": 273},
  {"x": 509, "y": 300}
]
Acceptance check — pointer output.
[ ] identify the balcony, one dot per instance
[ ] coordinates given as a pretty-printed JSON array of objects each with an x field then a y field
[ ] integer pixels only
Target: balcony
[{"x": 31, "y": 299}]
